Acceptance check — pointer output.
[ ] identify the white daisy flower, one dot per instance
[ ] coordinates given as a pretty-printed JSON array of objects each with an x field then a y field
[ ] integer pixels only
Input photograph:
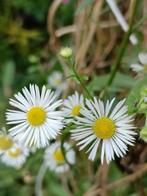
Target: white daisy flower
[
  {"x": 142, "y": 66},
  {"x": 5, "y": 143},
  {"x": 106, "y": 124},
  {"x": 55, "y": 159},
  {"x": 37, "y": 120},
  {"x": 56, "y": 81},
  {"x": 72, "y": 106},
  {"x": 15, "y": 156}
]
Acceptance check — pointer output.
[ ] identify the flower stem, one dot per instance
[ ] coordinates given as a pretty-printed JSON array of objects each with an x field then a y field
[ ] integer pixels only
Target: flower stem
[
  {"x": 82, "y": 84},
  {"x": 39, "y": 179},
  {"x": 121, "y": 51}
]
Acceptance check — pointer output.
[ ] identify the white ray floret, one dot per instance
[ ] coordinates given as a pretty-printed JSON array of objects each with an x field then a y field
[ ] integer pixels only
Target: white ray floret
[
  {"x": 15, "y": 156},
  {"x": 36, "y": 119},
  {"x": 106, "y": 124},
  {"x": 72, "y": 106},
  {"x": 142, "y": 66},
  {"x": 55, "y": 160}
]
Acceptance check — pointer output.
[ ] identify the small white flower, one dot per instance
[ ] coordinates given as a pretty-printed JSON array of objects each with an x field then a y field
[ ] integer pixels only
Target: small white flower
[
  {"x": 37, "y": 120},
  {"x": 72, "y": 106},
  {"x": 106, "y": 124},
  {"x": 142, "y": 66},
  {"x": 55, "y": 79},
  {"x": 54, "y": 157},
  {"x": 15, "y": 156},
  {"x": 57, "y": 82}
]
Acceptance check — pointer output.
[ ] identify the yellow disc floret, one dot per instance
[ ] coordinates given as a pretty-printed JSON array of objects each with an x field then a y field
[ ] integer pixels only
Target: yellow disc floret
[
  {"x": 36, "y": 116},
  {"x": 5, "y": 142},
  {"x": 14, "y": 152},
  {"x": 104, "y": 128},
  {"x": 145, "y": 67},
  {"x": 58, "y": 156},
  {"x": 76, "y": 110},
  {"x": 57, "y": 81}
]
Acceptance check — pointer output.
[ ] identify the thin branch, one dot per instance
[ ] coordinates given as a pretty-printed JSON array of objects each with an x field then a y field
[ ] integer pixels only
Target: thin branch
[
  {"x": 121, "y": 20},
  {"x": 141, "y": 170},
  {"x": 121, "y": 51}
]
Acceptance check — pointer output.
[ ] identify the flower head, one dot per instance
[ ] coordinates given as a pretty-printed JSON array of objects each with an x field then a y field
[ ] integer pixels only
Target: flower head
[
  {"x": 57, "y": 82},
  {"x": 66, "y": 52},
  {"x": 5, "y": 143},
  {"x": 72, "y": 106},
  {"x": 37, "y": 118},
  {"x": 54, "y": 157},
  {"x": 103, "y": 123},
  {"x": 15, "y": 156},
  {"x": 142, "y": 66}
]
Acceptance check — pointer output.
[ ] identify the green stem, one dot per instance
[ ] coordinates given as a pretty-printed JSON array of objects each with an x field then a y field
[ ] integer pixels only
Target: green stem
[
  {"x": 120, "y": 52},
  {"x": 82, "y": 84}
]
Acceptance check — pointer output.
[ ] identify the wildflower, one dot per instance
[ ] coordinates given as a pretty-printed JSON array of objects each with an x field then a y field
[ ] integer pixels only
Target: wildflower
[
  {"x": 15, "y": 156},
  {"x": 142, "y": 66},
  {"x": 72, "y": 106},
  {"x": 66, "y": 52},
  {"x": 54, "y": 157},
  {"x": 106, "y": 124},
  {"x": 56, "y": 81},
  {"x": 37, "y": 120}
]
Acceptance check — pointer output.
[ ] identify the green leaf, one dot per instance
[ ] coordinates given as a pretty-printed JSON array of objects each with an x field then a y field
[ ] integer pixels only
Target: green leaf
[
  {"x": 134, "y": 95},
  {"x": 121, "y": 82}
]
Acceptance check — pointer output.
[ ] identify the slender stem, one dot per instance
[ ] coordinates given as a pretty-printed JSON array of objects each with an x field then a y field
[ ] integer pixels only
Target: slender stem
[
  {"x": 121, "y": 20},
  {"x": 121, "y": 51},
  {"x": 39, "y": 179},
  {"x": 82, "y": 84}
]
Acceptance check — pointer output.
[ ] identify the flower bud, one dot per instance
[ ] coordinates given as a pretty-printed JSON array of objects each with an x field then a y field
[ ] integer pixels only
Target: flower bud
[
  {"x": 66, "y": 52},
  {"x": 143, "y": 134},
  {"x": 143, "y": 92}
]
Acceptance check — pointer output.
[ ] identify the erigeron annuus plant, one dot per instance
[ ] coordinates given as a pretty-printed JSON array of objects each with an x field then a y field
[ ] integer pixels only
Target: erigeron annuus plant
[
  {"x": 81, "y": 129},
  {"x": 42, "y": 120},
  {"x": 104, "y": 128}
]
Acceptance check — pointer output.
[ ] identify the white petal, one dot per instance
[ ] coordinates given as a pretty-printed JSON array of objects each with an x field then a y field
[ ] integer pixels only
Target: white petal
[{"x": 143, "y": 58}]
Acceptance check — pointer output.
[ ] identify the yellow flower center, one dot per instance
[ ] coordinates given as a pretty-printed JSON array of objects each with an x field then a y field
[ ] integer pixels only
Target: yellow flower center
[
  {"x": 76, "y": 110},
  {"x": 104, "y": 128},
  {"x": 58, "y": 81},
  {"x": 36, "y": 116},
  {"x": 5, "y": 142},
  {"x": 58, "y": 156},
  {"x": 145, "y": 67},
  {"x": 14, "y": 152}
]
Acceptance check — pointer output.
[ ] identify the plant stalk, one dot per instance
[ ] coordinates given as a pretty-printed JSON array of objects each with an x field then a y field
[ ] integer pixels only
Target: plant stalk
[{"x": 121, "y": 52}]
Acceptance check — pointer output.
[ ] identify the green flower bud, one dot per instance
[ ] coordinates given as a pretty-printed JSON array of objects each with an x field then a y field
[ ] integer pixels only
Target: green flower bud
[
  {"x": 143, "y": 106},
  {"x": 143, "y": 92},
  {"x": 143, "y": 134},
  {"x": 66, "y": 52}
]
